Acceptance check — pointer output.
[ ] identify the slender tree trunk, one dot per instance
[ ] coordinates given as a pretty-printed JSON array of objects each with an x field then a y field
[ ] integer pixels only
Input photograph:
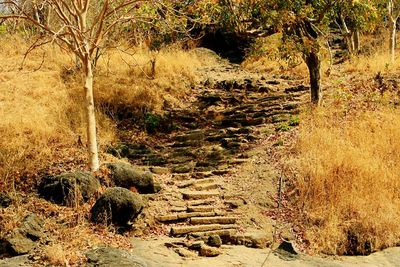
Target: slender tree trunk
[
  {"x": 348, "y": 35},
  {"x": 91, "y": 118},
  {"x": 356, "y": 41},
  {"x": 392, "y": 43},
  {"x": 314, "y": 67}
]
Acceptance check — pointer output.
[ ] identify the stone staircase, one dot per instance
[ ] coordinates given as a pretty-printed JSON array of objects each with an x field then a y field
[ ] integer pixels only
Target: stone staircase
[{"x": 228, "y": 115}]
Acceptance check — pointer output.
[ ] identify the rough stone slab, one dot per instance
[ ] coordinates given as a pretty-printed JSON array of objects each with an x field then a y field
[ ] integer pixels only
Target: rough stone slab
[
  {"x": 222, "y": 232},
  {"x": 200, "y": 202},
  {"x": 196, "y": 214},
  {"x": 195, "y": 182},
  {"x": 182, "y": 230},
  {"x": 207, "y": 186},
  {"x": 185, "y": 215},
  {"x": 167, "y": 218},
  {"x": 200, "y": 208},
  {"x": 212, "y": 220},
  {"x": 199, "y": 195},
  {"x": 178, "y": 209}
]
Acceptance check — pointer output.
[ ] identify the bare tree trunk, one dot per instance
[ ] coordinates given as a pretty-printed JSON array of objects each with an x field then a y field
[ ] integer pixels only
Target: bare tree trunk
[
  {"x": 91, "y": 118},
  {"x": 348, "y": 35},
  {"x": 314, "y": 67},
  {"x": 392, "y": 43},
  {"x": 356, "y": 41}
]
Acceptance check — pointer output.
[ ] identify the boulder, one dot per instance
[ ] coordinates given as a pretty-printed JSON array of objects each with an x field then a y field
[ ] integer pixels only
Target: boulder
[
  {"x": 117, "y": 205},
  {"x": 68, "y": 188},
  {"x": 5, "y": 200},
  {"x": 25, "y": 238},
  {"x": 214, "y": 241},
  {"x": 124, "y": 175},
  {"x": 106, "y": 256}
]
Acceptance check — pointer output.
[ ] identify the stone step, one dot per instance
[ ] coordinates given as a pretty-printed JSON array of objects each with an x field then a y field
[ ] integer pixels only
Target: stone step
[
  {"x": 195, "y": 182},
  {"x": 182, "y": 230},
  {"x": 193, "y": 195},
  {"x": 207, "y": 186},
  {"x": 186, "y": 215},
  {"x": 222, "y": 233},
  {"x": 213, "y": 220},
  {"x": 200, "y": 202},
  {"x": 200, "y": 208}
]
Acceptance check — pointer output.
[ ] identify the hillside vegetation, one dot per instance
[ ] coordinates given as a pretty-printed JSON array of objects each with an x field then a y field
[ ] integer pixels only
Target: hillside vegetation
[{"x": 42, "y": 109}]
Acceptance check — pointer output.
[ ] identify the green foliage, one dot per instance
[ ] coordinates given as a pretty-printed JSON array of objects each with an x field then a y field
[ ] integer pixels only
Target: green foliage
[
  {"x": 294, "y": 121},
  {"x": 152, "y": 122},
  {"x": 3, "y": 29},
  {"x": 283, "y": 127}
]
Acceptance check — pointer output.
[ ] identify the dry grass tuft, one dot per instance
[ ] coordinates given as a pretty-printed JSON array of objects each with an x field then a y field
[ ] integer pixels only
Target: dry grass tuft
[{"x": 348, "y": 182}]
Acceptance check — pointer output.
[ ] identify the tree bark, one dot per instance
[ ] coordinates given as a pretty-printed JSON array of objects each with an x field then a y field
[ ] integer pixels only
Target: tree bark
[
  {"x": 91, "y": 118},
  {"x": 392, "y": 43},
  {"x": 314, "y": 67}
]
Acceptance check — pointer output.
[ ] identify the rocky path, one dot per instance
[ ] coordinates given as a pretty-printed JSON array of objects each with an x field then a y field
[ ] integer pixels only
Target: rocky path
[{"x": 213, "y": 140}]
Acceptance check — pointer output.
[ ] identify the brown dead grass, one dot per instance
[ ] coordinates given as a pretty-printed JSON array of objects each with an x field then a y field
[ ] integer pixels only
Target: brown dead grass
[
  {"x": 346, "y": 160},
  {"x": 41, "y": 108}
]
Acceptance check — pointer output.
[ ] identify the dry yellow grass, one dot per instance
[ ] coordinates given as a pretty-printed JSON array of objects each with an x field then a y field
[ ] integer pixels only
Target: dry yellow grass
[
  {"x": 41, "y": 108},
  {"x": 348, "y": 177}
]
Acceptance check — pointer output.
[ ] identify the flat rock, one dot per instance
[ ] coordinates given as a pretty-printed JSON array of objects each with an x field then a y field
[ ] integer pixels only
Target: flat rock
[
  {"x": 117, "y": 205},
  {"x": 199, "y": 208},
  {"x": 107, "y": 257}
]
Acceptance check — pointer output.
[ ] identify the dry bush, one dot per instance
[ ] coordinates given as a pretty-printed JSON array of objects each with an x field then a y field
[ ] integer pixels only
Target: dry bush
[{"x": 347, "y": 179}]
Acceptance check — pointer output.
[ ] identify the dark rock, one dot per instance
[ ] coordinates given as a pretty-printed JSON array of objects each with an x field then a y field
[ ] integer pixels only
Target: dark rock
[
  {"x": 214, "y": 241},
  {"x": 68, "y": 188},
  {"x": 124, "y": 175},
  {"x": 287, "y": 248},
  {"x": 196, "y": 245},
  {"x": 298, "y": 88},
  {"x": 117, "y": 205},
  {"x": 25, "y": 238},
  {"x": 5, "y": 200},
  {"x": 131, "y": 151},
  {"x": 107, "y": 257}
]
